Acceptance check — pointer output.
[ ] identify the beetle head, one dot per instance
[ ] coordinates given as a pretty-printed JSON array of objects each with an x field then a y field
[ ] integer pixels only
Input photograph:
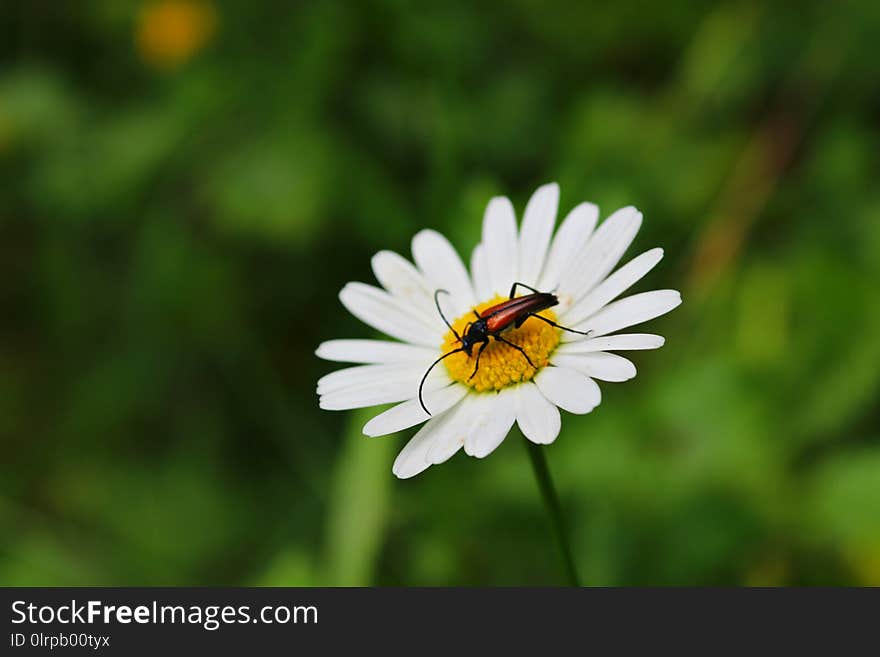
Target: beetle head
[{"x": 475, "y": 334}]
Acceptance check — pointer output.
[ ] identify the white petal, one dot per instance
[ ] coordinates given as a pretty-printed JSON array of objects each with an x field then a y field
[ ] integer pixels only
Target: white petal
[
  {"x": 348, "y": 389},
  {"x": 456, "y": 426},
  {"x": 535, "y": 232},
  {"x": 538, "y": 419},
  {"x": 406, "y": 283},
  {"x": 613, "y": 286},
  {"x": 383, "y": 312},
  {"x": 441, "y": 265},
  {"x": 410, "y": 413},
  {"x": 622, "y": 342},
  {"x": 598, "y": 365},
  {"x": 362, "y": 397},
  {"x": 493, "y": 425},
  {"x": 480, "y": 273},
  {"x": 628, "y": 311},
  {"x": 601, "y": 253},
  {"x": 571, "y": 237},
  {"x": 373, "y": 351},
  {"x": 569, "y": 390},
  {"x": 412, "y": 458},
  {"x": 382, "y": 374},
  {"x": 500, "y": 242}
]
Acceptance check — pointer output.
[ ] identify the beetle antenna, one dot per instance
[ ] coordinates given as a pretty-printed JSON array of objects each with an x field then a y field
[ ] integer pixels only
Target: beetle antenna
[
  {"x": 422, "y": 384},
  {"x": 442, "y": 316}
]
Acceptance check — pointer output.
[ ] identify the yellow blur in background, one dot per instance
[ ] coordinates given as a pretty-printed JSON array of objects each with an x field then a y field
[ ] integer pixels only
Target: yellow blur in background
[{"x": 170, "y": 32}]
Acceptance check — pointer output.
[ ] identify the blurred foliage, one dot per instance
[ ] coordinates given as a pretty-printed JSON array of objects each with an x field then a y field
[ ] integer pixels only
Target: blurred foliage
[{"x": 185, "y": 186}]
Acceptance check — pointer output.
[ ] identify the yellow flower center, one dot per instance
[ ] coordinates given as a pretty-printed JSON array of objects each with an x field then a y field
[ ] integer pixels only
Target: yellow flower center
[{"x": 501, "y": 365}]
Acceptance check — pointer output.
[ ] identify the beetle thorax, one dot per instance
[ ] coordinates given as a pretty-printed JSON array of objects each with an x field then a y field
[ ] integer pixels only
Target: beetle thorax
[{"x": 500, "y": 365}]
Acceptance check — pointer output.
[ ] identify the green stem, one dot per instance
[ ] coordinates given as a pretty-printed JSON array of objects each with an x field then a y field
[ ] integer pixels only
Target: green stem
[{"x": 551, "y": 502}]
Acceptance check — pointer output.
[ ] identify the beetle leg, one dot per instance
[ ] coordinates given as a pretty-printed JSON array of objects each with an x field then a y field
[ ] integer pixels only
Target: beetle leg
[
  {"x": 477, "y": 365},
  {"x": 552, "y": 323},
  {"x": 517, "y": 347},
  {"x": 477, "y": 314},
  {"x": 528, "y": 287}
]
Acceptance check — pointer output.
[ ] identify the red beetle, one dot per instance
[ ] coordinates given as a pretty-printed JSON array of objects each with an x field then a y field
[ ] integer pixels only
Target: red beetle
[{"x": 492, "y": 322}]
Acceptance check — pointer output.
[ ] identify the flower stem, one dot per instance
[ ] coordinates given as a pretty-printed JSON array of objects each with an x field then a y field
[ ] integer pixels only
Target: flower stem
[{"x": 551, "y": 502}]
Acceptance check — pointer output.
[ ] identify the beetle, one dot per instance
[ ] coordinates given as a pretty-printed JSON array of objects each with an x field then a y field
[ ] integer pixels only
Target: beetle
[{"x": 494, "y": 321}]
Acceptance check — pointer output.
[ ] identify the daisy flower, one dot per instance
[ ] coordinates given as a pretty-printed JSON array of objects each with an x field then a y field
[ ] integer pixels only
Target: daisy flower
[{"x": 538, "y": 370}]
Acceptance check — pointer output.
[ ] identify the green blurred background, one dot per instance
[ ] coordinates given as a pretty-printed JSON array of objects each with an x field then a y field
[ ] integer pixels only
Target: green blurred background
[{"x": 185, "y": 186}]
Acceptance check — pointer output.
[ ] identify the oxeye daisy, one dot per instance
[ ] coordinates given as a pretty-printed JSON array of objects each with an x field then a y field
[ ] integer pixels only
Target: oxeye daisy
[{"x": 526, "y": 332}]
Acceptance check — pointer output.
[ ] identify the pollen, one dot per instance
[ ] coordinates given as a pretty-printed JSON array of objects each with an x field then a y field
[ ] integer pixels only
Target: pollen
[{"x": 501, "y": 365}]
